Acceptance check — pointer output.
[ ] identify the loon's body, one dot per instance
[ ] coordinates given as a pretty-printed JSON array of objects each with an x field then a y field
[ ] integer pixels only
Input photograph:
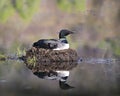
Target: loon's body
[
  {"x": 54, "y": 44},
  {"x": 61, "y": 76},
  {"x": 53, "y": 75}
]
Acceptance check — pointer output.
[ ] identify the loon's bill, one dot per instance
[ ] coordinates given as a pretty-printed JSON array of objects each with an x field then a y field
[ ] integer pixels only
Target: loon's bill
[{"x": 54, "y": 44}]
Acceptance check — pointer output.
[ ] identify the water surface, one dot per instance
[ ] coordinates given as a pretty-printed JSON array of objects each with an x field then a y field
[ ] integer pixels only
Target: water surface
[{"x": 89, "y": 78}]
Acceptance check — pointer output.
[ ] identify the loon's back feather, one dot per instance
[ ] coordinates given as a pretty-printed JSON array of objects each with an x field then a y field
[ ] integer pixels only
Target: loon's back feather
[
  {"x": 46, "y": 43},
  {"x": 51, "y": 44}
]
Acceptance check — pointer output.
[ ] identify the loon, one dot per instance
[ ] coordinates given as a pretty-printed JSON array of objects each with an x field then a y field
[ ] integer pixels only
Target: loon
[
  {"x": 54, "y": 44},
  {"x": 61, "y": 76}
]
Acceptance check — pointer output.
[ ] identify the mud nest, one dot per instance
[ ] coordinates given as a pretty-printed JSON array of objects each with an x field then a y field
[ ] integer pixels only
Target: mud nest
[{"x": 38, "y": 59}]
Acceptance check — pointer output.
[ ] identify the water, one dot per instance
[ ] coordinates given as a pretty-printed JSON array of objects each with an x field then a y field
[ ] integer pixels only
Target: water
[{"x": 90, "y": 77}]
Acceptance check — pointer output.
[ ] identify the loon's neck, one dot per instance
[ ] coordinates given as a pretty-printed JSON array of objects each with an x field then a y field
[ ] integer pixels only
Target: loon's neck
[
  {"x": 63, "y": 40},
  {"x": 62, "y": 44}
]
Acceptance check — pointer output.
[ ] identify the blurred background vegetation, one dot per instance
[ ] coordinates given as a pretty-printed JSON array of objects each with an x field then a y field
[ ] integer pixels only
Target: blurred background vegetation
[{"x": 95, "y": 22}]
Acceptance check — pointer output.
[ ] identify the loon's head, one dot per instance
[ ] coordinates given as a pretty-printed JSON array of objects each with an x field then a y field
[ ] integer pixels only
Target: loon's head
[
  {"x": 63, "y": 85},
  {"x": 62, "y": 82},
  {"x": 64, "y": 33}
]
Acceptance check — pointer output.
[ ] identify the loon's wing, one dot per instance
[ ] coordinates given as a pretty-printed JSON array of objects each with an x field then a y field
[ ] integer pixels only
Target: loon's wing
[
  {"x": 56, "y": 44},
  {"x": 46, "y": 43}
]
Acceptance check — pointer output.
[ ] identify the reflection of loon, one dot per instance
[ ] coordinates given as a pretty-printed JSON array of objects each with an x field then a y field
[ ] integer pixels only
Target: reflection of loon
[
  {"x": 56, "y": 75},
  {"x": 54, "y": 44}
]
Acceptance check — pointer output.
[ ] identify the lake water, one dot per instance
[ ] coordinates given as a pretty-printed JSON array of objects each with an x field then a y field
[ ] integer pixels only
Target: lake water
[{"x": 91, "y": 77}]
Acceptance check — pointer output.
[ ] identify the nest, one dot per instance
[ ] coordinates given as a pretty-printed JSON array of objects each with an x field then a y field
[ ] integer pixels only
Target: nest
[
  {"x": 45, "y": 59},
  {"x": 54, "y": 66}
]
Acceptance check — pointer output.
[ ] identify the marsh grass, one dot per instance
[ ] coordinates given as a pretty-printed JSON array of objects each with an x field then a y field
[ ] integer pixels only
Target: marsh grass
[
  {"x": 20, "y": 52},
  {"x": 31, "y": 61},
  {"x": 2, "y": 57}
]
